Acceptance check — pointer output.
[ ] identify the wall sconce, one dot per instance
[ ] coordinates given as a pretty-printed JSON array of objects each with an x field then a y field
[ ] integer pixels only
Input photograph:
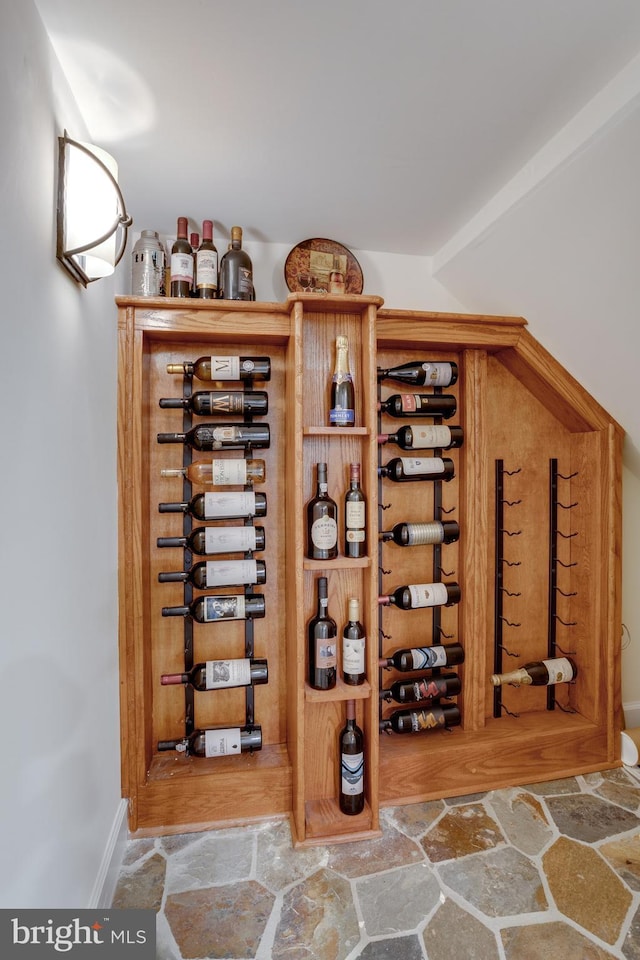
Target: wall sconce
[{"x": 91, "y": 208}]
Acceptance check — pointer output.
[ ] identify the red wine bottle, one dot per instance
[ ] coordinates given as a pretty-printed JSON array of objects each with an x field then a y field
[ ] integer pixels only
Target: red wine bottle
[
  {"x": 421, "y": 372},
  {"x": 181, "y": 262},
  {"x": 206, "y": 541},
  {"x": 353, "y": 646},
  {"x": 227, "y": 472},
  {"x": 427, "y": 688},
  {"x": 424, "y": 437},
  {"x": 415, "y": 721},
  {"x": 425, "y": 658},
  {"x": 351, "y": 750},
  {"x": 236, "y": 271},
  {"x": 218, "y": 674},
  {"x": 219, "y": 573},
  {"x": 207, "y": 264},
  {"x": 216, "y": 742},
  {"x": 224, "y": 368},
  {"x": 212, "y": 608},
  {"x": 322, "y": 521},
  {"x": 342, "y": 408},
  {"x": 216, "y": 505},
  {"x": 406, "y": 469},
  {"x": 415, "y": 595},
  {"x": 539, "y": 673},
  {"x": 321, "y": 635},
  {"x": 419, "y": 405},
  {"x": 218, "y": 436},
  {"x": 417, "y": 534},
  {"x": 206, "y": 403},
  {"x": 355, "y": 519}
]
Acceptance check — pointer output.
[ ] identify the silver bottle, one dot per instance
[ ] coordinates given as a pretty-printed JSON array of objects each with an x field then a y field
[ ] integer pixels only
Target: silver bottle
[{"x": 148, "y": 265}]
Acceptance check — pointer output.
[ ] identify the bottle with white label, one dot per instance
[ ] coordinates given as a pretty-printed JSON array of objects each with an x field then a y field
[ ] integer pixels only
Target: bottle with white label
[
  {"x": 206, "y": 541},
  {"x": 224, "y": 368},
  {"x": 412, "y": 596},
  {"x": 355, "y": 516},
  {"x": 322, "y": 521},
  {"x": 539, "y": 673},
  {"x": 424, "y": 436},
  {"x": 418, "y": 534},
  {"x": 181, "y": 262},
  {"x": 424, "y": 658},
  {"x": 351, "y": 752},
  {"x": 212, "y": 608},
  {"x": 219, "y": 573},
  {"x": 217, "y": 505},
  {"x": 406, "y": 469},
  {"x": 206, "y": 263},
  {"x": 218, "y": 674},
  {"x": 219, "y": 436},
  {"x": 216, "y": 742},
  {"x": 221, "y": 473},
  {"x": 353, "y": 646},
  {"x": 419, "y": 373}
]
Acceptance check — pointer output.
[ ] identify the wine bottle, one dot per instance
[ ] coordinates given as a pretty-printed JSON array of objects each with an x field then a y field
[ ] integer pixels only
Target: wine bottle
[
  {"x": 355, "y": 521},
  {"x": 415, "y": 595},
  {"x": 206, "y": 403},
  {"x": 321, "y": 635},
  {"x": 322, "y": 521},
  {"x": 419, "y": 405},
  {"x": 221, "y": 473},
  {"x": 219, "y": 573},
  {"x": 210, "y": 608},
  {"x": 539, "y": 673},
  {"x": 417, "y": 534},
  {"x": 353, "y": 646},
  {"x": 236, "y": 271},
  {"x": 342, "y": 407},
  {"x": 206, "y": 541},
  {"x": 424, "y": 437},
  {"x": 415, "y": 721},
  {"x": 207, "y": 264},
  {"x": 224, "y": 368},
  {"x": 425, "y": 658},
  {"x": 218, "y": 436},
  {"x": 217, "y": 674},
  {"x": 194, "y": 240},
  {"x": 423, "y": 688},
  {"x": 351, "y": 750},
  {"x": 406, "y": 469},
  {"x": 216, "y": 742},
  {"x": 232, "y": 505},
  {"x": 181, "y": 262},
  {"x": 421, "y": 372}
]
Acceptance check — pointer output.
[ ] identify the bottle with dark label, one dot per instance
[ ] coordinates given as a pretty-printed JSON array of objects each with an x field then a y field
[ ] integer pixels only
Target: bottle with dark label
[
  {"x": 322, "y": 642},
  {"x": 353, "y": 646},
  {"x": 212, "y": 608},
  {"x": 221, "y": 506},
  {"x": 407, "y": 469},
  {"x": 220, "y": 473},
  {"x": 416, "y": 721},
  {"x": 216, "y": 742},
  {"x": 219, "y": 436},
  {"x": 342, "y": 406},
  {"x": 422, "y": 373},
  {"x": 207, "y": 264},
  {"x": 427, "y": 688},
  {"x": 355, "y": 519},
  {"x": 181, "y": 262},
  {"x": 351, "y": 752},
  {"x": 425, "y": 658},
  {"x": 419, "y": 405},
  {"x": 539, "y": 673},
  {"x": 219, "y": 573},
  {"x": 206, "y": 541},
  {"x": 322, "y": 521},
  {"x": 417, "y": 534},
  {"x": 236, "y": 271},
  {"x": 218, "y": 674},
  {"x": 425, "y": 436},
  {"x": 207, "y": 403},
  {"x": 415, "y": 595},
  {"x": 224, "y": 368}
]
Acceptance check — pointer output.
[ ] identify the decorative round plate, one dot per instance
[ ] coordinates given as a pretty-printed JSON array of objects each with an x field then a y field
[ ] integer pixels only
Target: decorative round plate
[{"x": 309, "y": 264}]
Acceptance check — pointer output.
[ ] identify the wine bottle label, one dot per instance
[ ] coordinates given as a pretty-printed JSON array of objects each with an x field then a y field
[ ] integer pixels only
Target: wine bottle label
[
  {"x": 229, "y": 539},
  {"x": 428, "y": 594},
  {"x": 353, "y": 654},
  {"x": 227, "y": 673},
  {"x": 437, "y": 374},
  {"x": 245, "y": 280},
  {"x": 430, "y": 435},
  {"x": 207, "y": 268},
  {"x": 355, "y": 519},
  {"x": 225, "y": 368},
  {"x": 182, "y": 267},
  {"x": 426, "y": 657},
  {"x": 420, "y": 533},
  {"x": 352, "y": 773},
  {"x": 226, "y": 402},
  {"x": 326, "y": 653},
  {"x": 222, "y": 573},
  {"x": 426, "y": 719},
  {"x": 221, "y": 435},
  {"x": 221, "y": 743},
  {"x": 560, "y": 670},
  {"x": 342, "y": 417},
  {"x": 415, "y": 466},
  {"x": 223, "y": 608},
  {"x": 428, "y": 689},
  {"x": 324, "y": 533},
  {"x": 229, "y": 472},
  {"x": 239, "y": 504}
]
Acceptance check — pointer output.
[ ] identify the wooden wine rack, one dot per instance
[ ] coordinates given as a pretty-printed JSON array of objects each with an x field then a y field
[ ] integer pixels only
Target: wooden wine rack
[{"x": 536, "y": 493}]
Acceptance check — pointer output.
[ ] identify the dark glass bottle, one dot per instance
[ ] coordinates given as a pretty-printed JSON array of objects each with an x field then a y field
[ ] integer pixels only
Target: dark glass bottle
[
  {"x": 424, "y": 436},
  {"x": 207, "y": 264},
  {"x": 216, "y": 742},
  {"x": 342, "y": 405},
  {"x": 322, "y": 640},
  {"x": 351, "y": 750},
  {"x": 353, "y": 646},
  {"x": 407, "y": 469},
  {"x": 181, "y": 262},
  {"x": 218, "y": 505},
  {"x": 214, "y": 607},
  {"x": 419, "y": 405},
  {"x": 416, "y": 721},
  {"x": 355, "y": 517},
  {"x": 221, "y": 436},
  {"x": 219, "y": 573},
  {"x": 206, "y": 541},
  {"x": 322, "y": 521},
  {"x": 417, "y": 534},
  {"x": 224, "y": 368},
  {"x": 539, "y": 673},
  {"x": 236, "y": 271},
  {"x": 207, "y": 403},
  {"x": 422, "y": 372},
  {"x": 427, "y": 688},
  {"x": 415, "y": 595},
  {"x": 218, "y": 674},
  {"x": 425, "y": 658}
]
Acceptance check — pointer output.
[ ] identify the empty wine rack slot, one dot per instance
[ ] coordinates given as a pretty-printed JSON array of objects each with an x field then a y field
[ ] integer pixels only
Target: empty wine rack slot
[
  {"x": 555, "y": 535},
  {"x": 501, "y": 590}
]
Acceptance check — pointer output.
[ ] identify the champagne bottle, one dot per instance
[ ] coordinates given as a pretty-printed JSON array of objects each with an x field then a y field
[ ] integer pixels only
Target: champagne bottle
[
  {"x": 217, "y": 674},
  {"x": 221, "y": 473},
  {"x": 236, "y": 271},
  {"x": 355, "y": 521},
  {"x": 421, "y": 372},
  {"x": 415, "y": 595},
  {"x": 232, "y": 505},
  {"x": 218, "y": 436},
  {"x": 219, "y": 573},
  {"x": 224, "y": 368},
  {"x": 210, "y": 608},
  {"x": 351, "y": 750},
  {"x": 216, "y": 742},
  {"x": 419, "y": 405},
  {"x": 181, "y": 262},
  {"x": 207, "y": 264},
  {"x": 322, "y": 521},
  {"x": 417, "y": 534},
  {"x": 425, "y": 658},
  {"x": 539, "y": 673},
  {"x": 353, "y": 646},
  {"x": 429, "y": 688},
  {"x": 415, "y": 721},
  {"x": 211, "y": 402},
  {"x": 406, "y": 469},
  {"x": 424, "y": 437},
  {"x": 321, "y": 635},
  {"x": 342, "y": 406},
  {"x": 206, "y": 541}
]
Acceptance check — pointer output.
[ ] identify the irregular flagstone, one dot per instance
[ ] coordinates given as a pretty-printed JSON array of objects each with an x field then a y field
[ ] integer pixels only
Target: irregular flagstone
[
  {"x": 362, "y": 857},
  {"x": 463, "y": 830},
  {"x": 219, "y": 922},
  {"x": 523, "y": 820},
  {"x": 631, "y": 945},
  {"x": 586, "y": 889},
  {"x": 624, "y": 857},
  {"x": 501, "y": 883},
  {"x": 553, "y": 787},
  {"x": 143, "y": 888},
  {"x": 136, "y": 849},
  {"x": 550, "y": 941},
  {"x": 318, "y": 920},
  {"x": 624, "y": 794},
  {"x": 414, "y": 818},
  {"x": 588, "y": 818},
  {"x": 179, "y": 841},
  {"x": 400, "y": 948},
  {"x": 218, "y": 858},
  {"x": 278, "y": 864},
  {"x": 453, "y": 934},
  {"x": 398, "y": 900}
]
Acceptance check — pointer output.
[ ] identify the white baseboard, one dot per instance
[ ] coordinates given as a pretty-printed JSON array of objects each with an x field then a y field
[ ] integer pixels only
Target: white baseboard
[
  {"x": 631, "y": 715},
  {"x": 105, "y": 885}
]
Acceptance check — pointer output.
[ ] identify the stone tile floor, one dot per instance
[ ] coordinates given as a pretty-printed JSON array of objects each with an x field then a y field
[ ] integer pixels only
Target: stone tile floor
[{"x": 540, "y": 872}]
